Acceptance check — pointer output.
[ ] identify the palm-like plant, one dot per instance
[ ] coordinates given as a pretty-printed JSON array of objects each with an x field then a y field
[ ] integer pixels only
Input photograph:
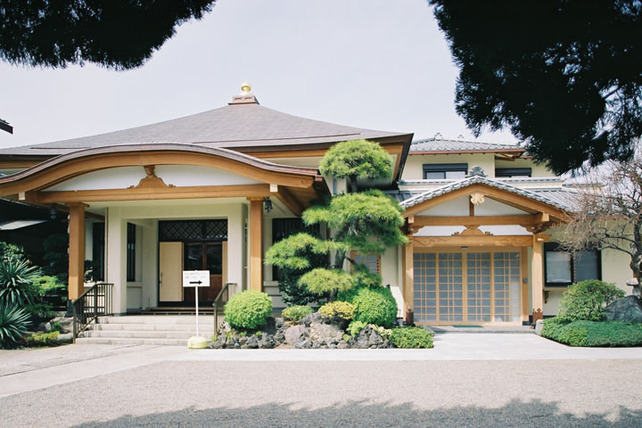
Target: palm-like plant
[
  {"x": 16, "y": 282},
  {"x": 13, "y": 325}
]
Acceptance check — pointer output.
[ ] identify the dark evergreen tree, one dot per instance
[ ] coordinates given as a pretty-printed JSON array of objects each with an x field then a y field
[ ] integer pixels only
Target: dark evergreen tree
[
  {"x": 564, "y": 75},
  {"x": 120, "y": 34}
]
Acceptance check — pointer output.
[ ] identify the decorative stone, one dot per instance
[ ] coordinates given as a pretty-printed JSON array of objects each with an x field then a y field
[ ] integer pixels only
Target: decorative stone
[
  {"x": 539, "y": 325},
  {"x": 325, "y": 334},
  {"x": 628, "y": 309},
  {"x": 294, "y": 334},
  {"x": 197, "y": 342}
]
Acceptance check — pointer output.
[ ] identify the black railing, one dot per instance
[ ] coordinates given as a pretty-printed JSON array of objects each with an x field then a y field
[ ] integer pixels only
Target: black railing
[
  {"x": 95, "y": 302},
  {"x": 219, "y": 304}
]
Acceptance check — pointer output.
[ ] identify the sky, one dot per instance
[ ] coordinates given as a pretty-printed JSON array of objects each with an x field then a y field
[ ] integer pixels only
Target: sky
[{"x": 377, "y": 64}]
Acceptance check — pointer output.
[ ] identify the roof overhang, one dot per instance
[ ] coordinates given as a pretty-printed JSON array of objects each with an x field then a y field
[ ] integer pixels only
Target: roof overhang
[{"x": 295, "y": 186}]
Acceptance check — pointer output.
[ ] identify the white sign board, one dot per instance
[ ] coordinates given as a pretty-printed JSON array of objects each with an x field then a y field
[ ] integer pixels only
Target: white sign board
[{"x": 196, "y": 278}]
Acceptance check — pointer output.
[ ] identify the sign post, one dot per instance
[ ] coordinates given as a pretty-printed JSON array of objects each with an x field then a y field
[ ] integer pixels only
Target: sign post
[{"x": 196, "y": 279}]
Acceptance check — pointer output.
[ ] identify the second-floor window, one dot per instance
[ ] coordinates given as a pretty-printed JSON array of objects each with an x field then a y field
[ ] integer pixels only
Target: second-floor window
[
  {"x": 453, "y": 171},
  {"x": 513, "y": 172}
]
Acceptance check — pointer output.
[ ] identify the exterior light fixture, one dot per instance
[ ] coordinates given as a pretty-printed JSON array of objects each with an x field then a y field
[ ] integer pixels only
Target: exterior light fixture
[
  {"x": 267, "y": 204},
  {"x": 52, "y": 212}
]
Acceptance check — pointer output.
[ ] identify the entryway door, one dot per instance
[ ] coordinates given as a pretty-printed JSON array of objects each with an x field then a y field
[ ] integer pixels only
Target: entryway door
[
  {"x": 467, "y": 287},
  {"x": 174, "y": 257},
  {"x": 204, "y": 256}
]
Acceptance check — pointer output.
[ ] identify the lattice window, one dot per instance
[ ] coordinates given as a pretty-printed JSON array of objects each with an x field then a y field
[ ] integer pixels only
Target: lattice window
[
  {"x": 450, "y": 287},
  {"x": 506, "y": 275},
  {"x": 372, "y": 262},
  {"x": 192, "y": 230},
  {"x": 478, "y": 293},
  {"x": 425, "y": 290}
]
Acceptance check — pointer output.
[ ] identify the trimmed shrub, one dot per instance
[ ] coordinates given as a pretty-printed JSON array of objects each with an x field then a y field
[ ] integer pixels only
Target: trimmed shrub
[
  {"x": 587, "y": 300},
  {"x": 341, "y": 311},
  {"x": 375, "y": 305},
  {"x": 14, "y": 322},
  {"x": 42, "y": 339},
  {"x": 248, "y": 309},
  {"x": 355, "y": 327},
  {"x": 296, "y": 313},
  {"x": 411, "y": 337},
  {"x": 593, "y": 333}
]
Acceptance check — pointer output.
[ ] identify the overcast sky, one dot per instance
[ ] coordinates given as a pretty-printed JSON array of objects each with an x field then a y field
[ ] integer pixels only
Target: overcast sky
[{"x": 376, "y": 64}]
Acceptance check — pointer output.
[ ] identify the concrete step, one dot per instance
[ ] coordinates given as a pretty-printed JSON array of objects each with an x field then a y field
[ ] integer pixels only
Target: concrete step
[
  {"x": 130, "y": 341},
  {"x": 172, "y": 330},
  {"x": 153, "y": 327},
  {"x": 133, "y": 334},
  {"x": 158, "y": 320}
]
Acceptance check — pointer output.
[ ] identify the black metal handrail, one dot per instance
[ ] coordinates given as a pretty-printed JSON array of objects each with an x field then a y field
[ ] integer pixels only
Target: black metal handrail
[
  {"x": 219, "y": 303},
  {"x": 95, "y": 302}
]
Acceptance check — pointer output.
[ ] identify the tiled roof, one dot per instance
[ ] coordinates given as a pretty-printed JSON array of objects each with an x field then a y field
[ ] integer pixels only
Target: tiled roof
[
  {"x": 441, "y": 145},
  {"x": 243, "y": 127},
  {"x": 560, "y": 198}
]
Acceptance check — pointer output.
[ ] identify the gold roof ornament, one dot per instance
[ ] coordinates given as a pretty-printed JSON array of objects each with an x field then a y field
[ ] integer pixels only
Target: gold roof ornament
[{"x": 245, "y": 88}]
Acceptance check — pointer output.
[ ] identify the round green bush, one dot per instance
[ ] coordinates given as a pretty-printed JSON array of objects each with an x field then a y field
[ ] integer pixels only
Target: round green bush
[
  {"x": 587, "y": 300},
  {"x": 296, "y": 313},
  {"x": 411, "y": 337},
  {"x": 338, "y": 310},
  {"x": 375, "y": 305},
  {"x": 248, "y": 309}
]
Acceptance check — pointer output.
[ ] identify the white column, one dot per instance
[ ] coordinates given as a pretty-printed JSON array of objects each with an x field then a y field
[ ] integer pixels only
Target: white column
[
  {"x": 236, "y": 246},
  {"x": 116, "y": 242}
]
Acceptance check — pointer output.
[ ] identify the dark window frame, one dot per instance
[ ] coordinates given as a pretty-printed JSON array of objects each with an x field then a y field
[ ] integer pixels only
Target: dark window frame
[
  {"x": 131, "y": 252},
  {"x": 98, "y": 251},
  {"x": 444, "y": 168},
  {"x": 552, "y": 247},
  {"x": 513, "y": 172}
]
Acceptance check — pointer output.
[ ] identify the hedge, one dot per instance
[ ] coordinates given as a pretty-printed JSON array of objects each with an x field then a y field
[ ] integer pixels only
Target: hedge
[{"x": 593, "y": 333}]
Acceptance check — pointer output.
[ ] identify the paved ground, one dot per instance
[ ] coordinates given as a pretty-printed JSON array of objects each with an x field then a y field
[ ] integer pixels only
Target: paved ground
[{"x": 467, "y": 380}]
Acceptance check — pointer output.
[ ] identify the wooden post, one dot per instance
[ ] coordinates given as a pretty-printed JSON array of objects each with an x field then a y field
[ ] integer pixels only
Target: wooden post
[
  {"x": 76, "y": 250},
  {"x": 408, "y": 279},
  {"x": 256, "y": 243},
  {"x": 537, "y": 279}
]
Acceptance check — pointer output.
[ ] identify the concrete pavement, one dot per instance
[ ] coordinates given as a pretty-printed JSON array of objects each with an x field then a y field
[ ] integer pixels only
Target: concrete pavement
[{"x": 34, "y": 369}]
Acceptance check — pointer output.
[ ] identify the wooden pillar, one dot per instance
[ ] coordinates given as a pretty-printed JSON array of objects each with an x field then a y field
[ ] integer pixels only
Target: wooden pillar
[
  {"x": 256, "y": 243},
  {"x": 537, "y": 277},
  {"x": 408, "y": 279},
  {"x": 76, "y": 250}
]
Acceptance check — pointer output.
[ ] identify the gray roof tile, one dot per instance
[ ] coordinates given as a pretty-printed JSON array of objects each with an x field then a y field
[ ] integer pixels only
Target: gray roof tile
[
  {"x": 440, "y": 145},
  {"x": 560, "y": 198}
]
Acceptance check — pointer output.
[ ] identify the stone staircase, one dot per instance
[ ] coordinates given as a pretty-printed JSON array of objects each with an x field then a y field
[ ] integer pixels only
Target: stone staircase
[{"x": 147, "y": 330}]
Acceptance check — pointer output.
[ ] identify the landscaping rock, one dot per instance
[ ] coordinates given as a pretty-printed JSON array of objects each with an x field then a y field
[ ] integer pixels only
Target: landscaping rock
[
  {"x": 294, "y": 334},
  {"x": 539, "y": 325},
  {"x": 628, "y": 309},
  {"x": 325, "y": 334}
]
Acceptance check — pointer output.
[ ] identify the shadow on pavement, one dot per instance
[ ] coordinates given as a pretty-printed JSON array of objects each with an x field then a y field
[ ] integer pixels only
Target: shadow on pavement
[{"x": 534, "y": 413}]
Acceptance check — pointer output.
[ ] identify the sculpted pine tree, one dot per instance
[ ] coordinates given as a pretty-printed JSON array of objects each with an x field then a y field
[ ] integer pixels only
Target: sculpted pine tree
[
  {"x": 563, "y": 76},
  {"x": 609, "y": 214},
  {"x": 367, "y": 222}
]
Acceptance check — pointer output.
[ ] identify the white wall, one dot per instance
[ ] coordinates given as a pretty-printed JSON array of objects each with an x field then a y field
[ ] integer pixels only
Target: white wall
[{"x": 414, "y": 163}]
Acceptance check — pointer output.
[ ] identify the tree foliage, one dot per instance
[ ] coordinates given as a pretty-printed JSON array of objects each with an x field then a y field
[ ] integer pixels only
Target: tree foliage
[
  {"x": 120, "y": 34},
  {"x": 564, "y": 76},
  {"x": 356, "y": 159},
  {"x": 608, "y": 214},
  {"x": 366, "y": 222}
]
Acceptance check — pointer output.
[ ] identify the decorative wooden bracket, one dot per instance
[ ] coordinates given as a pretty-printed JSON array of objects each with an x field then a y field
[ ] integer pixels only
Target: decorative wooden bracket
[
  {"x": 472, "y": 230},
  {"x": 151, "y": 181}
]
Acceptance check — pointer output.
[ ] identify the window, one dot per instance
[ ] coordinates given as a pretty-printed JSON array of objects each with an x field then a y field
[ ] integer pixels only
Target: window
[
  {"x": 98, "y": 252},
  {"x": 131, "y": 252},
  {"x": 452, "y": 171},
  {"x": 284, "y": 227},
  {"x": 373, "y": 262},
  {"x": 564, "y": 268},
  {"x": 513, "y": 172}
]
